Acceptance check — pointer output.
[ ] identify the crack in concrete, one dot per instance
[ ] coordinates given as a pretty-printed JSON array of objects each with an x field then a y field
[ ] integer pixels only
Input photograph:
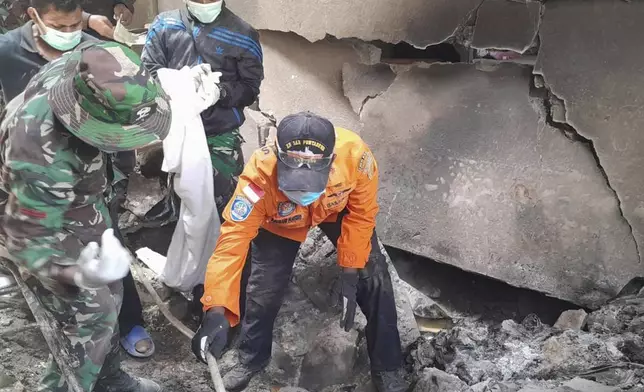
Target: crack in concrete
[
  {"x": 369, "y": 98},
  {"x": 571, "y": 133}
]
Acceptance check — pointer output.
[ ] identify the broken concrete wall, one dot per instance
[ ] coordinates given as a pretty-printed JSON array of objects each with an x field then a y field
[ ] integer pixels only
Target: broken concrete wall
[
  {"x": 419, "y": 22},
  {"x": 303, "y": 76},
  {"x": 537, "y": 191},
  {"x": 597, "y": 69},
  {"x": 472, "y": 175}
]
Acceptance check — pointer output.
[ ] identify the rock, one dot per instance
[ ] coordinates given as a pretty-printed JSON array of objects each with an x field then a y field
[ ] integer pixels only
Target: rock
[
  {"x": 434, "y": 380},
  {"x": 330, "y": 360},
  {"x": 582, "y": 385},
  {"x": 7, "y": 380},
  {"x": 536, "y": 388},
  {"x": 419, "y": 22},
  {"x": 142, "y": 194},
  {"x": 505, "y": 209},
  {"x": 572, "y": 319},
  {"x": 614, "y": 128},
  {"x": 573, "y": 352},
  {"x": 292, "y": 389},
  {"x": 506, "y": 25}
]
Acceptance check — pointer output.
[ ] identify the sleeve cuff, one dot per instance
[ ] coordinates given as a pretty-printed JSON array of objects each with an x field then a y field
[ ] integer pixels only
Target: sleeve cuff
[
  {"x": 348, "y": 259},
  {"x": 208, "y": 301}
]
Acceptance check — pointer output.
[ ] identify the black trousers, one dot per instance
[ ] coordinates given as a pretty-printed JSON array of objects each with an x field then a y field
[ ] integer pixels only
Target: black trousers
[
  {"x": 131, "y": 313},
  {"x": 272, "y": 259}
]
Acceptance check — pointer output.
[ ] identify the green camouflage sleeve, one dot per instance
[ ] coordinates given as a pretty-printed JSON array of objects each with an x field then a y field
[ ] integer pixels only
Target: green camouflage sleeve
[
  {"x": 54, "y": 184},
  {"x": 34, "y": 219}
]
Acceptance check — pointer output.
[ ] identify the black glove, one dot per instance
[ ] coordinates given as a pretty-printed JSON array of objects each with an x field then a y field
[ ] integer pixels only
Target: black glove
[
  {"x": 212, "y": 335},
  {"x": 349, "y": 289}
]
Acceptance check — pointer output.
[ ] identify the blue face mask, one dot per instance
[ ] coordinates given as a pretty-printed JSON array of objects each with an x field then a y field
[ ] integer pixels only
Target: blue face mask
[{"x": 303, "y": 198}]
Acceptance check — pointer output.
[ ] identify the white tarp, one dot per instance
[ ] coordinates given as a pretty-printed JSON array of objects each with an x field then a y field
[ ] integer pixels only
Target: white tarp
[{"x": 186, "y": 155}]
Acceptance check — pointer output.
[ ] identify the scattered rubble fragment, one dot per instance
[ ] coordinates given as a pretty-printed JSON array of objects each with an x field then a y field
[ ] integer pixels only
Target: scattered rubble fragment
[{"x": 572, "y": 319}]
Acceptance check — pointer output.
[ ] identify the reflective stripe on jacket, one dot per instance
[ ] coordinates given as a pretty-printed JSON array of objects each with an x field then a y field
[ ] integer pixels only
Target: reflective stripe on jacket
[{"x": 258, "y": 203}]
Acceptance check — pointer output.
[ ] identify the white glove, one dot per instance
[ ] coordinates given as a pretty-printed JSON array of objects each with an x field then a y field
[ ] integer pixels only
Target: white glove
[
  {"x": 206, "y": 85},
  {"x": 101, "y": 266}
]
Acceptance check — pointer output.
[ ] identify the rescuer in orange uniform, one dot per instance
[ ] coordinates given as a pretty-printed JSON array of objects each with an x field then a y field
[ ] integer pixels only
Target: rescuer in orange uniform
[{"x": 314, "y": 175}]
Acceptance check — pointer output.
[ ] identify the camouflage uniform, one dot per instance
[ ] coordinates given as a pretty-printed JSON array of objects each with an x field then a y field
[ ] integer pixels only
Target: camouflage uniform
[
  {"x": 227, "y": 164},
  {"x": 53, "y": 177},
  {"x": 13, "y": 14}
]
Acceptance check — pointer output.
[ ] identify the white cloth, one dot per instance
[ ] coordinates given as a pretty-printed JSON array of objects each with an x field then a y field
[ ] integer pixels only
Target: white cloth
[{"x": 186, "y": 155}]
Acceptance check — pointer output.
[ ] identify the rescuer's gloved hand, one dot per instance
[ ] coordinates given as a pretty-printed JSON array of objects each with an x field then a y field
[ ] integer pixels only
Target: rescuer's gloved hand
[
  {"x": 349, "y": 289},
  {"x": 99, "y": 266},
  {"x": 206, "y": 85},
  {"x": 212, "y": 335}
]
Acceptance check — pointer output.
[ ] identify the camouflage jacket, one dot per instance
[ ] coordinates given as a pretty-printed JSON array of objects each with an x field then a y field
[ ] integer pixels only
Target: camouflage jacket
[{"x": 53, "y": 184}]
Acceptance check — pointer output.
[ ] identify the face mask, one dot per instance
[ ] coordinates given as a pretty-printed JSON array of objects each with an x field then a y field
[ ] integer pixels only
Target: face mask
[
  {"x": 58, "y": 39},
  {"x": 205, "y": 13},
  {"x": 303, "y": 198}
]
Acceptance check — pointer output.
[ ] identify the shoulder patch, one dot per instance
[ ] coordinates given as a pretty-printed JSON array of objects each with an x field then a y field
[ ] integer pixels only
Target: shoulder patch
[
  {"x": 253, "y": 192},
  {"x": 367, "y": 164},
  {"x": 240, "y": 209}
]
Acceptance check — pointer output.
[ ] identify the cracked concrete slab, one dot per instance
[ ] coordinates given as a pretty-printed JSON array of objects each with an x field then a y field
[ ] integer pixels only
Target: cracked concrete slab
[
  {"x": 506, "y": 25},
  {"x": 419, "y": 22},
  {"x": 590, "y": 58},
  {"x": 471, "y": 175},
  {"x": 300, "y": 75},
  {"x": 362, "y": 82}
]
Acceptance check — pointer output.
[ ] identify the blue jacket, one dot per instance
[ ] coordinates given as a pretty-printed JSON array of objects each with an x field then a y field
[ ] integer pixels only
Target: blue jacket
[{"x": 228, "y": 44}]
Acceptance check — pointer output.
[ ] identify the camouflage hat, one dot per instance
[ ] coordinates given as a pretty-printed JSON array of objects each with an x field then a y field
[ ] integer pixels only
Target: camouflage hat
[{"x": 108, "y": 99}]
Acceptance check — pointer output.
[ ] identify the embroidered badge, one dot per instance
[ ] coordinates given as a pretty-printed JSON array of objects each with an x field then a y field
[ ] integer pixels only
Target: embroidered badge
[
  {"x": 367, "y": 164},
  {"x": 285, "y": 208},
  {"x": 240, "y": 209}
]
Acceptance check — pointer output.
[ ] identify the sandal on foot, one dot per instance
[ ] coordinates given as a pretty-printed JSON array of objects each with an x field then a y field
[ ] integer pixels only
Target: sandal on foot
[{"x": 138, "y": 336}]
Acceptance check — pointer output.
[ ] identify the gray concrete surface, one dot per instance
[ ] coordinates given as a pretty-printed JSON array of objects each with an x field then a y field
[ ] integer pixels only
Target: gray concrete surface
[
  {"x": 597, "y": 68},
  {"x": 471, "y": 175},
  {"x": 419, "y": 22},
  {"x": 362, "y": 82},
  {"x": 303, "y": 76},
  {"x": 506, "y": 25}
]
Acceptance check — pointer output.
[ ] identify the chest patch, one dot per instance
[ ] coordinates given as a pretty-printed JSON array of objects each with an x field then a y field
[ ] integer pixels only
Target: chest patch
[
  {"x": 240, "y": 209},
  {"x": 285, "y": 208}
]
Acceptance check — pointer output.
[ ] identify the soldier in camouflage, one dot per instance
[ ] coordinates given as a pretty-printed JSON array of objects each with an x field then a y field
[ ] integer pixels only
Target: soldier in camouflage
[{"x": 53, "y": 177}]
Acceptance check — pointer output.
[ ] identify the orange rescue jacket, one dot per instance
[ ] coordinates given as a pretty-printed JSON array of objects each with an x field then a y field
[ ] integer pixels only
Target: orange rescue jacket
[{"x": 257, "y": 202}]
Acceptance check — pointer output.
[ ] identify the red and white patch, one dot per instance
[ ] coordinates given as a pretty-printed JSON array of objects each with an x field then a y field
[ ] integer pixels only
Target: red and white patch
[{"x": 253, "y": 192}]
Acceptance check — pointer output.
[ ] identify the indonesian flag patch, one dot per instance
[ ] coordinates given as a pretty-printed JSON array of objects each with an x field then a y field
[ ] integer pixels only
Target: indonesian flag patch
[{"x": 253, "y": 193}]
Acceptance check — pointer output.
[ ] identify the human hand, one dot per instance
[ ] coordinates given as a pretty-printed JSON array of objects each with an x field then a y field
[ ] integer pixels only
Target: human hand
[
  {"x": 99, "y": 266},
  {"x": 206, "y": 84},
  {"x": 102, "y": 25},
  {"x": 123, "y": 13},
  {"x": 212, "y": 335},
  {"x": 349, "y": 279}
]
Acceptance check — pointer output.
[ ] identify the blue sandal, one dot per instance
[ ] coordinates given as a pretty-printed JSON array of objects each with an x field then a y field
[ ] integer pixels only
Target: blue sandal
[{"x": 137, "y": 335}]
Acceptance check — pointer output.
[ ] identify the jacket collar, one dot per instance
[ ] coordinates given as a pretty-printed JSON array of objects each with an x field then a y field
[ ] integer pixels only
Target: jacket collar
[{"x": 27, "y": 41}]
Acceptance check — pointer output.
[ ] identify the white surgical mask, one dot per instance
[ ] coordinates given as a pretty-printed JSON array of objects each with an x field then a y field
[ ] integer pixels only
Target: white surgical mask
[
  {"x": 205, "y": 13},
  {"x": 57, "y": 39}
]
